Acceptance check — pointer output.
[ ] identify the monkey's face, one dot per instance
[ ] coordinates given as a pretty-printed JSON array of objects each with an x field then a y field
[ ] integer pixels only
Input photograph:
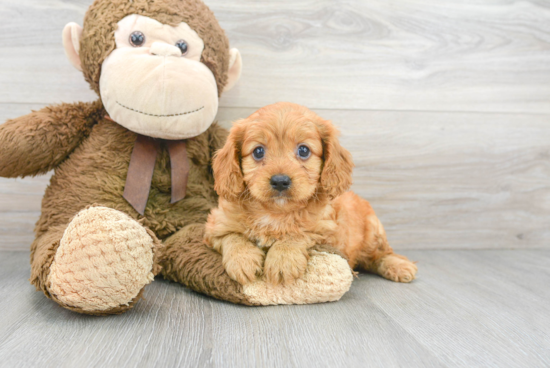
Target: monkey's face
[{"x": 153, "y": 82}]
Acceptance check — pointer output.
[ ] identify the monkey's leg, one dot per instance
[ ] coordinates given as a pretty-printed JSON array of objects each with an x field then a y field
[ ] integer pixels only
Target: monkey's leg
[
  {"x": 188, "y": 260},
  {"x": 98, "y": 264}
]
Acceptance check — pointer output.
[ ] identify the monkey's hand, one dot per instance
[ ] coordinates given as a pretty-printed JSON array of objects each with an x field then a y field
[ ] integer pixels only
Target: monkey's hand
[{"x": 38, "y": 142}]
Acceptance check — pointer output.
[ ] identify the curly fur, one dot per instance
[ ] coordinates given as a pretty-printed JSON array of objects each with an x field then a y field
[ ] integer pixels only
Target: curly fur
[{"x": 258, "y": 229}]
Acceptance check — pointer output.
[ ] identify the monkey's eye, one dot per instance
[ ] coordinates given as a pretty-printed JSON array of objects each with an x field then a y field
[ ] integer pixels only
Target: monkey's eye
[
  {"x": 182, "y": 45},
  {"x": 258, "y": 153},
  {"x": 304, "y": 152},
  {"x": 137, "y": 39}
]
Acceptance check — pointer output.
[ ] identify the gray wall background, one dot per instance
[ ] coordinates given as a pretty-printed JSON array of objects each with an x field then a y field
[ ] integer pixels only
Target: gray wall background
[{"x": 444, "y": 104}]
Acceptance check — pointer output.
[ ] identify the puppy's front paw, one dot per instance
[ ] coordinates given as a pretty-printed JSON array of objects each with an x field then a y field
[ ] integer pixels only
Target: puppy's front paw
[
  {"x": 285, "y": 264},
  {"x": 244, "y": 264}
]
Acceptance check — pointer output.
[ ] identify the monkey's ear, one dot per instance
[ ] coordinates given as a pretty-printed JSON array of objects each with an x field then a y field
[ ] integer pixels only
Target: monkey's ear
[
  {"x": 235, "y": 69},
  {"x": 71, "y": 43}
]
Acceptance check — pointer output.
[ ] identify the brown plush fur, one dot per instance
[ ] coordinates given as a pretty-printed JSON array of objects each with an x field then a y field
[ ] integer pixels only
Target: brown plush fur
[
  {"x": 95, "y": 174},
  {"x": 90, "y": 156},
  {"x": 38, "y": 142},
  {"x": 186, "y": 260},
  {"x": 258, "y": 229},
  {"x": 101, "y": 21}
]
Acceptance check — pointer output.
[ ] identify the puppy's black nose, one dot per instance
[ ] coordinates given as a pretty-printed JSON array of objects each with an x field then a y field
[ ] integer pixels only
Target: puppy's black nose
[{"x": 280, "y": 182}]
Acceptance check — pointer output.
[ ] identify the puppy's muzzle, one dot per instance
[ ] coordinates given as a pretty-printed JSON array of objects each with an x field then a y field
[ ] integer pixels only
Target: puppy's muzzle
[{"x": 280, "y": 182}]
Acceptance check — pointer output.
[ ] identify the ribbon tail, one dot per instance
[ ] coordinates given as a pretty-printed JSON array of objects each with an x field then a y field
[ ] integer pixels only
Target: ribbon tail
[
  {"x": 140, "y": 172},
  {"x": 179, "y": 165}
]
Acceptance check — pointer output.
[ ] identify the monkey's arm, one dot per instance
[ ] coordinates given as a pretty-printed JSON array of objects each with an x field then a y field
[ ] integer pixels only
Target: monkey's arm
[{"x": 38, "y": 142}]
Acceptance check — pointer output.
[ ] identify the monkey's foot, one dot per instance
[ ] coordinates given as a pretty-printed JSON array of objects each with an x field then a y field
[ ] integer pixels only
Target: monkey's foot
[
  {"x": 327, "y": 277},
  {"x": 103, "y": 262}
]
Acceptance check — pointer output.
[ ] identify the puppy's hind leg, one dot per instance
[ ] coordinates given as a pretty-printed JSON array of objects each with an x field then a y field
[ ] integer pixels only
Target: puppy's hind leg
[
  {"x": 395, "y": 267},
  {"x": 363, "y": 240},
  {"x": 380, "y": 258}
]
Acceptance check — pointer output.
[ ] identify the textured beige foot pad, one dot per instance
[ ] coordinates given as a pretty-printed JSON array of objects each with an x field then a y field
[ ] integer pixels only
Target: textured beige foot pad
[
  {"x": 103, "y": 261},
  {"x": 327, "y": 278}
]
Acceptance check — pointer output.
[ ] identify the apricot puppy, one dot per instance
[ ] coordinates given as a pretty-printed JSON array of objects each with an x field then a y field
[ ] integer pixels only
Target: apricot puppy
[{"x": 282, "y": 178}]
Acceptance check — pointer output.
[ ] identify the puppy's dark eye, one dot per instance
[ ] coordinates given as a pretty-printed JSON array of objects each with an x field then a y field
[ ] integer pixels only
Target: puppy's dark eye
[
  {"x": 258, "y": 153},
  {"x": 137, "y": 39},
  {"x": 182, "y": 45},
  {"x": 304, "y": 152}
]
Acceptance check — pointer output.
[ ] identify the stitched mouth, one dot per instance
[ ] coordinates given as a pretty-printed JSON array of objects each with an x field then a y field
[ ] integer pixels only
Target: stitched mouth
[{"x": 160, "y": 116}]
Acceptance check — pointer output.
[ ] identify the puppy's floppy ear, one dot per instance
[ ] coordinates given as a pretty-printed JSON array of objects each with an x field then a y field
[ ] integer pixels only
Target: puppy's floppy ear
[
  {"x": 227, "y": 165},
  {"x": 338, "y": 165}
]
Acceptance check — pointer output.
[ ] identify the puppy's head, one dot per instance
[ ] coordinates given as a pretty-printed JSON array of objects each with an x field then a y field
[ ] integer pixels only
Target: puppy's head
[{"x": 283, "y": 154}]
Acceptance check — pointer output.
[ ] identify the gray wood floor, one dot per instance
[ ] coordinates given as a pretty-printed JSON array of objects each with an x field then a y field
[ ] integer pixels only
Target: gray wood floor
[{"x": 470, "y": 308}]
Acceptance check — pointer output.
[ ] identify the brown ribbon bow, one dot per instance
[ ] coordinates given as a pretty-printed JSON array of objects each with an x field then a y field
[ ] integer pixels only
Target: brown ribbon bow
[{"x": 142, "y": 165}]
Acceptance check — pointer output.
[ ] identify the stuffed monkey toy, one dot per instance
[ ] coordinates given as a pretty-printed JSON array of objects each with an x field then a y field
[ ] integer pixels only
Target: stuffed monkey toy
[{"x": 132, "y": 183}]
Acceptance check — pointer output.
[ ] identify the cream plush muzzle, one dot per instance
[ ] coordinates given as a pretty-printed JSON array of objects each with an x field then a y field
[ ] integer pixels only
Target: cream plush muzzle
[{"x": 153, "y": 89}]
